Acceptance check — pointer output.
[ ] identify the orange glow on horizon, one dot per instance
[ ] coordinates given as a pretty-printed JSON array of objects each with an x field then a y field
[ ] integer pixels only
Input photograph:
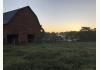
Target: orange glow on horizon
[{"x": 68, "y": 27}]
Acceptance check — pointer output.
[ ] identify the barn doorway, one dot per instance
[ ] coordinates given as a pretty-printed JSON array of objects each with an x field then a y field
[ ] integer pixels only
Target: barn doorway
[
  {"x": 12, "y": 39},
  {"x": 30, "y": 38}
]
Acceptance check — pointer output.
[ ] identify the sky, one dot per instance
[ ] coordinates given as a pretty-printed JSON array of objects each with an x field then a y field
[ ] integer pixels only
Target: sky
[{"x": 59, "y": 15}]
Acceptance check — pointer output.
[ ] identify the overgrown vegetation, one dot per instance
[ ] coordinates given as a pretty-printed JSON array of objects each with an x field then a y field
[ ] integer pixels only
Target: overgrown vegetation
[{"x": 50, "y": 56}]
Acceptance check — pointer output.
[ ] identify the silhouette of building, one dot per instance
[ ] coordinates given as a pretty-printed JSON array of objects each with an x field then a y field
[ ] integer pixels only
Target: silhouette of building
[{"x": 21, "y": 25}]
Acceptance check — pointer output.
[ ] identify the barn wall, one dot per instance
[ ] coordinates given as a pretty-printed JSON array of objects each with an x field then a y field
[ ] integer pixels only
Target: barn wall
[{"x": 23, "y": 23}]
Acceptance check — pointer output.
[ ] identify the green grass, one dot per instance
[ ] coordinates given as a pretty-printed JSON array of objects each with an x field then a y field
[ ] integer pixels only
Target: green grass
[{"x": 50, "y": 56}]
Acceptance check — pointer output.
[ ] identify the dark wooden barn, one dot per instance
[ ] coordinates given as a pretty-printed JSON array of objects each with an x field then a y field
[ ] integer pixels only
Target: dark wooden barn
[{"x": 21, "y": 25}]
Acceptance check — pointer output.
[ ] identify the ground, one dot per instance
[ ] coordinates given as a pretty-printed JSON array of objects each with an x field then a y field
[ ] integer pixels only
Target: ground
[{"x": 50, "y": 56}]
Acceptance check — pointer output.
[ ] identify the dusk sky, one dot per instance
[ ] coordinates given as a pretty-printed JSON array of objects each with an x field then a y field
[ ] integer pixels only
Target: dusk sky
[{"x": 59, "y": 15}]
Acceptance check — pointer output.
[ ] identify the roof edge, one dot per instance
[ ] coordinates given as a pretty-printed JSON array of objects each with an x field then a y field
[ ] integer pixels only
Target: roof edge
[{"x": 17, "y": 9}]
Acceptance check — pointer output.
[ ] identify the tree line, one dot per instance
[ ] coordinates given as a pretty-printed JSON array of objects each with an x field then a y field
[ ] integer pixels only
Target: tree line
[{"x": 86, "y": 34}]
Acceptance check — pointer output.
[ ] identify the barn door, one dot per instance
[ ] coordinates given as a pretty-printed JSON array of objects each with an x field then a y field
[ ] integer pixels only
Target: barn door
[
  {"x": 12, "y": 39},
  {"x": 30, "y": 38}
]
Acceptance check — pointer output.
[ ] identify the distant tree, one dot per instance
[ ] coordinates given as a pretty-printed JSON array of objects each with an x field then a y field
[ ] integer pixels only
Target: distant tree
[
  {"x": 87, "y": 34},
  {"x": 85, "y": 29}
]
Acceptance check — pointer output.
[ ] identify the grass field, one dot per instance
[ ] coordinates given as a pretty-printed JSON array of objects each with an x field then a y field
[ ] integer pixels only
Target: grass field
[{"x": 50, "y": 56}]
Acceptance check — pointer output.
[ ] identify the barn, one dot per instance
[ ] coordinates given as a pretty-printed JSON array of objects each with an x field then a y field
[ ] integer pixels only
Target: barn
[{"x": 21, "y": 25}]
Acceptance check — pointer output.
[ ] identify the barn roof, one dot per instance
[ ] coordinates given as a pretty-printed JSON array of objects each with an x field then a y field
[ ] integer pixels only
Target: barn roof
[{"x": 9, "y": 15}]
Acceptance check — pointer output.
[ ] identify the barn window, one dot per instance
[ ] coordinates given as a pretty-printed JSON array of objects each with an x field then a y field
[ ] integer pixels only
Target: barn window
[
  {"x": 12, "y": 39},
  {"x": 30, "y": 38}
]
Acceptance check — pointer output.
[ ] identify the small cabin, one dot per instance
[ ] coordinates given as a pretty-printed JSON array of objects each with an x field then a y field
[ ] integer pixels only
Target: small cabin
[{"x": 21, "y": 25}]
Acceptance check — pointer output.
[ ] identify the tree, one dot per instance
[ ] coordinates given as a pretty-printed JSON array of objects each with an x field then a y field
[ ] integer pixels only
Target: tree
[{"x": 87, "y": 34}]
